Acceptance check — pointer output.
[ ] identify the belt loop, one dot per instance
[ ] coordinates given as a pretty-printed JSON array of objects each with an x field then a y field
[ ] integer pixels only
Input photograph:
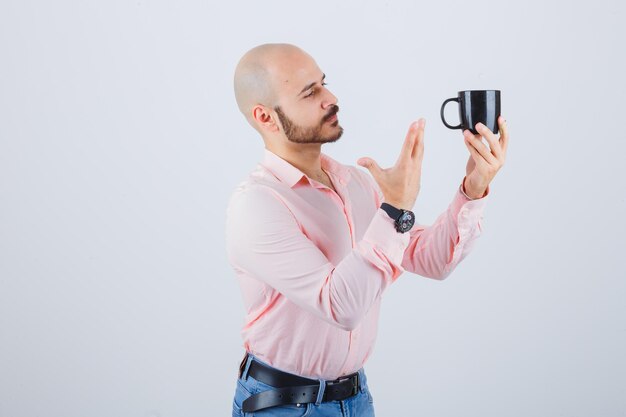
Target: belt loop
[
  {"x": 361, "y": 373},
  {"x": 320, "y": 392},
  {"x": 244, "y": 374}
]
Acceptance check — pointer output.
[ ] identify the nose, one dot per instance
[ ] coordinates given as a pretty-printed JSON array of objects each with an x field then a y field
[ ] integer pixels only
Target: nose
[{"x": 329, "y": 99}]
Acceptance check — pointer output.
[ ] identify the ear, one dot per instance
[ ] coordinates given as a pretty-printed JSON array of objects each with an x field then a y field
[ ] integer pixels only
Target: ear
[{"x": 264, "y": 119}]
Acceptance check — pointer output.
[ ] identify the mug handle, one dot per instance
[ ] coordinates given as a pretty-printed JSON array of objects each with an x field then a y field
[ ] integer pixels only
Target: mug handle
[{"x": 443, "y": 106}]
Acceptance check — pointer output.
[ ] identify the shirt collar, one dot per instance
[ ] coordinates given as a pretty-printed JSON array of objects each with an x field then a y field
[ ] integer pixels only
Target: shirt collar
[{"x": 290, "y": 175}]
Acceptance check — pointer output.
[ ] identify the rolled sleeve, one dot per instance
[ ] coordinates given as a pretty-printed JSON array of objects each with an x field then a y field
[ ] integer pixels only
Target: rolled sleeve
[
  {"x": 382, "y": 234},
  {"x": 435, "y": 251}
]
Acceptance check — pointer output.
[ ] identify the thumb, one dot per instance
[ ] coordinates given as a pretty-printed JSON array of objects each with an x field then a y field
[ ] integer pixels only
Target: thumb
[{"x": 370, "y": 164}]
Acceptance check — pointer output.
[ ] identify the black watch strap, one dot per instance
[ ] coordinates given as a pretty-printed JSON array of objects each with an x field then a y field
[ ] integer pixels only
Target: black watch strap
[
  {"x": 392, "y": 211},
  {"x": 403, "y": 219}
]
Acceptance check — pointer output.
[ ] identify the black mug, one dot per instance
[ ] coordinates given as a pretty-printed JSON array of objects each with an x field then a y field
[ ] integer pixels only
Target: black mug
[{"x": 476, "y": 106}]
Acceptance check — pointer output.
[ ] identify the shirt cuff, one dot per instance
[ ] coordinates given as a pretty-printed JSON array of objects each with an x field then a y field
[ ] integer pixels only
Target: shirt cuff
[
  {"x": 382, "y": 234},
  {"x": 466, "y": 212},
  {"x": 468, "y": 197}
]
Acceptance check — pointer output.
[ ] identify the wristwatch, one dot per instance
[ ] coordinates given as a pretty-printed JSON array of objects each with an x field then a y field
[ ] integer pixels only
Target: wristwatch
[{"x": 404, "y": 219}]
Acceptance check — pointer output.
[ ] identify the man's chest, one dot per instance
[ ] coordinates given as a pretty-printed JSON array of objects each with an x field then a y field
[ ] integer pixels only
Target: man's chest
[{"x": 334, "y": 220}]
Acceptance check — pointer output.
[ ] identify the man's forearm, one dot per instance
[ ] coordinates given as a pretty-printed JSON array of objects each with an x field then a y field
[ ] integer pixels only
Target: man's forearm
[{"x": 472, "y": 191}]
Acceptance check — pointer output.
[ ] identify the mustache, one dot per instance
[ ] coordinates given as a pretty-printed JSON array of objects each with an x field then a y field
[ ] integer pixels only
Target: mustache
[{"x": 333, "y": 111}]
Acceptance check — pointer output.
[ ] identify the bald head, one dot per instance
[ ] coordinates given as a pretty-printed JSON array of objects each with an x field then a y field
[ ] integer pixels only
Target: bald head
[{"x": 259, "y": 73}]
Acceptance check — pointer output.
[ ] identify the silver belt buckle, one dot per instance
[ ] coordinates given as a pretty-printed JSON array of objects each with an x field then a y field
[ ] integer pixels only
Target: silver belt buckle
[
  {"x": 355, "y": 383},
  {"x": 355, "y": 387}
]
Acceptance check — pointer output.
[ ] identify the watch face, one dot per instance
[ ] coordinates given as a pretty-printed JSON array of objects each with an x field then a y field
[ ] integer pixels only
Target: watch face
[{"x": 406, "y": 221}]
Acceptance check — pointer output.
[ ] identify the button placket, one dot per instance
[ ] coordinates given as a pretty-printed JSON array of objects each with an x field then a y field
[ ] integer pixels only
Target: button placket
[
  {"x": 345, "y": 207},
  {"x": 352, "y": 349},
  {"x": 347, "y": 211}
]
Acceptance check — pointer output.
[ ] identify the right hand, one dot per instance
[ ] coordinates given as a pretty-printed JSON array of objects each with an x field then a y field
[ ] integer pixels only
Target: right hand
[{"x": 400, "y": 184}]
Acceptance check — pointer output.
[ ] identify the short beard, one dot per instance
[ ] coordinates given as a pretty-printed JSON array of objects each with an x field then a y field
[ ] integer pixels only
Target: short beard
[{"x": 301, "y": 134}]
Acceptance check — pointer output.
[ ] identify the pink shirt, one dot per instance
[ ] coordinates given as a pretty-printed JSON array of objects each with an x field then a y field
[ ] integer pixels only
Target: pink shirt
[{"x": 312, "y": 264}]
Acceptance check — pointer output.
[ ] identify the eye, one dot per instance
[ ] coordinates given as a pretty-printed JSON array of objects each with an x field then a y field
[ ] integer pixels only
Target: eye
[{"x": 313, "y": 92}]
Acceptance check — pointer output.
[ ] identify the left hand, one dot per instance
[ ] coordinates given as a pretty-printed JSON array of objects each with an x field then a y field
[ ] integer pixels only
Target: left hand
[{"x": 484, "y": 162}]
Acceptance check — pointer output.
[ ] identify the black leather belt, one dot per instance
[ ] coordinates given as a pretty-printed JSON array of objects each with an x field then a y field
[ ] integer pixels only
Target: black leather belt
[{"x": 294, "y": 389}]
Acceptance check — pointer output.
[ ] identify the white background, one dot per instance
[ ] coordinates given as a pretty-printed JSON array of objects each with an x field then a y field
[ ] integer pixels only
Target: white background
[{"x": 120, "y": 143}]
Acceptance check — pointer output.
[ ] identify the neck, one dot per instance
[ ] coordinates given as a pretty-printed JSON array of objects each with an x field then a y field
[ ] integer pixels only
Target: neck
[{"x": 304, "y": 157}]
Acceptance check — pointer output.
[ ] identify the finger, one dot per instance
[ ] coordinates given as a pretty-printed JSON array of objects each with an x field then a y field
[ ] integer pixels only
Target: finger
[
  {"x": 504, "y": 134},
  {"x": 477, "y": 143},
  {"x": 412, "y": 142},
  {"x": 494, "y": 144},
  {"x": 418, "y": 148},
  {"x": 474, "y": 154},
  {"x": 371, "y": 166},
  {"x": 409, "y": 143}
]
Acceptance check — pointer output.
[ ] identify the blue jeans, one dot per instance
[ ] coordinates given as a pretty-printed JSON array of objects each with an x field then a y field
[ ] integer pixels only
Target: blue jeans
[{"x": 359, "y": 405}]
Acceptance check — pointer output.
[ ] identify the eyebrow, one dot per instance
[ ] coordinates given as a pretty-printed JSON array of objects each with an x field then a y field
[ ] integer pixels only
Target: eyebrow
[{"x": 311, "y": 85}]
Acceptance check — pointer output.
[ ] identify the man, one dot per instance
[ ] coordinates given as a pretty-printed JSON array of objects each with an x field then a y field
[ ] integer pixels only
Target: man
[{"x": 314, "y": 243}]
